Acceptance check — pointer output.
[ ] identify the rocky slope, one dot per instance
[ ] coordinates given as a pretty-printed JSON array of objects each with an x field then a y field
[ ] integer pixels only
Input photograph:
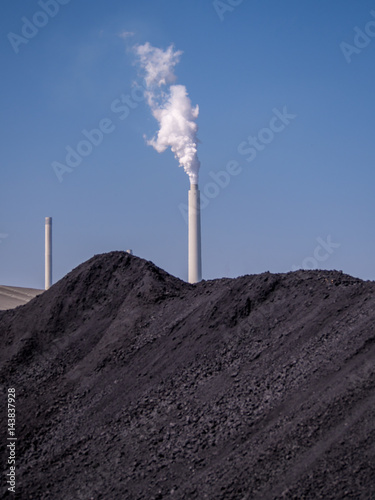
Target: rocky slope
[{"x": 132, "y": 384}]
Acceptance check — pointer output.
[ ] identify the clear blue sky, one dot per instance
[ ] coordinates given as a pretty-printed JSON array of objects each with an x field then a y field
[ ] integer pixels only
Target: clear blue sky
[{"x": 313, "y": 179}]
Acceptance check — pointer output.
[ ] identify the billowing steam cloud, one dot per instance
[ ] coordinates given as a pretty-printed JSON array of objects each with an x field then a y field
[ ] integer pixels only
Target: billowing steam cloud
[{"x": 171, "y": 107}]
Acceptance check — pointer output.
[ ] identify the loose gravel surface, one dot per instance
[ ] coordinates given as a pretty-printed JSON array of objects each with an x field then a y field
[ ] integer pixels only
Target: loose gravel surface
[{"x": 132, "y": 384}]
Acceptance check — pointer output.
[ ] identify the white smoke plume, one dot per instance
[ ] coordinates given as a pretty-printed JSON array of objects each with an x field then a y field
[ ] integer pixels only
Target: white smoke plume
[{"x": 171, "y": 107}]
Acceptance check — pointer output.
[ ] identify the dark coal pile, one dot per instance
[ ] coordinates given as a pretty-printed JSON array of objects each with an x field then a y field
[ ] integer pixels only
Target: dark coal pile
[{"x": 131, "y": 384}]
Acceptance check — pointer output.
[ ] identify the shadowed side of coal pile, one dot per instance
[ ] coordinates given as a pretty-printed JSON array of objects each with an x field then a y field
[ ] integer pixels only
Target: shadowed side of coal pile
[{"x": 133, "y": 384}]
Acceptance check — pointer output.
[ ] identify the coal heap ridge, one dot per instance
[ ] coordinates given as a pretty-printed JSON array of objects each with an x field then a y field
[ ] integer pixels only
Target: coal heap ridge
[{"x": 133, "y": 384}]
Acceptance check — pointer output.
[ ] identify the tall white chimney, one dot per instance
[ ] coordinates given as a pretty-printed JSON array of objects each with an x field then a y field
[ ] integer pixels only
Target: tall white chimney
[
  {"x": 48, "y": 253},
  {"x": 194, "y": 259}
]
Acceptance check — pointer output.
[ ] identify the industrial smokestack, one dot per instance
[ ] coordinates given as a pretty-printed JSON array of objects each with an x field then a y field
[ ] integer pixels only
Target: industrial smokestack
[
  {"x": 48, "y": 253},
  {"x": 195, "y": 259},
  {"x": 171, "y": 107}
]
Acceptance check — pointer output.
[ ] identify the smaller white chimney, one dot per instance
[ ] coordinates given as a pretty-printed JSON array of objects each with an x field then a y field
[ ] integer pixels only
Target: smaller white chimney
[
  {"x": 129, "y": 251},
  {"x": 48, "y": 253}
]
